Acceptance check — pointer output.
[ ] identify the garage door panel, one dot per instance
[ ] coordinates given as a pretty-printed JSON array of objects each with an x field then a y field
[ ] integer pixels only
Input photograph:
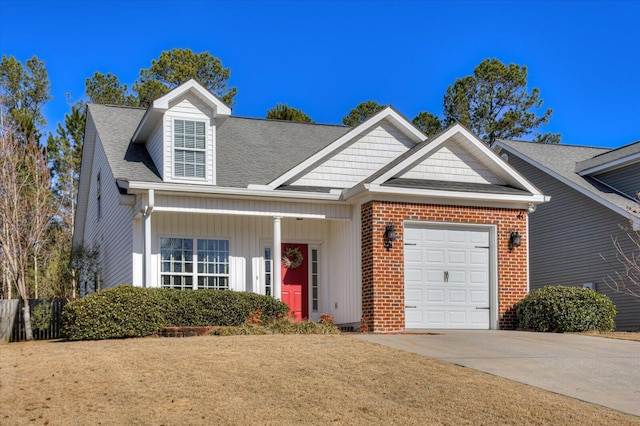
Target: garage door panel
[
  {"x": 413, "y": 255},
  {"x": 413, "y": 296},
  {"x": 413, "y": 276},
  {"x": 434, "y": 296},
  {"x": 478, "y": 297},
  {"x": 478, "y": 277},
  {"x": 457, "y": 296},
  {"x": 479, "y": 238},
  {"x": 447, "y": 300},
  {"x": 479, "y": 257},
  {"x": 457, "y": 277},
  {"x": 433, "y": 235},
  {"x": 433, "y": 277},
  {"x": 434, "y": 257},
  {"x": 436, "y": 317},
  {"x": 454, "y": 236},
  {"x": 456, "y": 257}
]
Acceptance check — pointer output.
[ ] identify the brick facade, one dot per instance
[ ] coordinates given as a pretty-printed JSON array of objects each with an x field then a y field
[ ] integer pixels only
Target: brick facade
[{"x": 383, "y": 270}]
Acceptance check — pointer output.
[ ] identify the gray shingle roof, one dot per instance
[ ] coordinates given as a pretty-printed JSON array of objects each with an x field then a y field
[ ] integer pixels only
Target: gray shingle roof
[
  {"x": 609, "y": 156},
  {"x": 562, "y": 160},
  {"x": 115, "y": 126},
  {"x": 454, "y": 186},
  {"x": 249, "y": 150},
  {"x": 257, "y": 151}
]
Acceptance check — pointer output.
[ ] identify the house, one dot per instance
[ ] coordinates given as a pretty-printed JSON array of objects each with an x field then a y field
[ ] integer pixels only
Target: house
[
  {"x": 594, "y": 202},
  {"x": 374, "y": 222}
]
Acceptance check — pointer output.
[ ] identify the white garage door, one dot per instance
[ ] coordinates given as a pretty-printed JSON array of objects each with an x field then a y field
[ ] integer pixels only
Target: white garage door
[{"x": 446, "y": 277}]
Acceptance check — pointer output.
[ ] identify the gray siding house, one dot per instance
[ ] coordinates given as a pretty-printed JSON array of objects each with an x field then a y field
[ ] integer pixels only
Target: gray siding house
[{"x": 594, "y": 202}]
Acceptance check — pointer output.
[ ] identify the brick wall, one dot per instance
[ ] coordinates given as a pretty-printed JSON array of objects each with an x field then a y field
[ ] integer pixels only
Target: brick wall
[{"x": 383, "y": 270}]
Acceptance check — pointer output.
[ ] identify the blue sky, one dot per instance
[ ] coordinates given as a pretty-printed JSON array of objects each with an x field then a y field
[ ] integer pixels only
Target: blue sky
[{"x": 325, "y": 57}]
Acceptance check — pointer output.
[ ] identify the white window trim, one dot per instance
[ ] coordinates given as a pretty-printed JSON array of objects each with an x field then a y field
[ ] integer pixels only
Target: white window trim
[
  {"x": 174, "y": 148},
  {"x": 194, "y": 260}
]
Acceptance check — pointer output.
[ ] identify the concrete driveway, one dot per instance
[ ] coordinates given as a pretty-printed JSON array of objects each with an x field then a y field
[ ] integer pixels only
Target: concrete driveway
[{"x": 593, "y": 369}]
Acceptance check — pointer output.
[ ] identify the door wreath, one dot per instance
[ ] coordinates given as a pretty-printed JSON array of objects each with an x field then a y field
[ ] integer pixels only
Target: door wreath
[{"x": 292, "y": 258}]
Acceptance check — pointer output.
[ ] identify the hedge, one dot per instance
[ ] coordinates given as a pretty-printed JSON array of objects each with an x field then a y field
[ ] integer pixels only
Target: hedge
[
  {"x": 566, "y": 309},
  {"x": 126, "y": 311}
]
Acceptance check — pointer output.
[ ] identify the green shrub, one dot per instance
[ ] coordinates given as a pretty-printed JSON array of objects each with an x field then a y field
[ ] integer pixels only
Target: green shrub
[
  {"x": 123, "y": 311},
  {"x": 216, "y": 307},
  {"x": 127, "y": 311},
  {"x": 563, "y": 309}
]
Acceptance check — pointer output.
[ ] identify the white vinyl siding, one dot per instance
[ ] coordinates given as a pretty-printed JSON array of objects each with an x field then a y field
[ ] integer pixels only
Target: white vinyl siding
[
  {"x": 189, "y": 144},
  {"x": 154, "y": 147},
  {"x": 452, "y": 163},
  {"x": 112, "y": 234},
  {"x": 360, "y": 159}
]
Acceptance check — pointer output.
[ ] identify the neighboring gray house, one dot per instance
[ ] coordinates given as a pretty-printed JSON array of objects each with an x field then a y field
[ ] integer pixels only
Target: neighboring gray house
[{"x": 594, "y": 201}]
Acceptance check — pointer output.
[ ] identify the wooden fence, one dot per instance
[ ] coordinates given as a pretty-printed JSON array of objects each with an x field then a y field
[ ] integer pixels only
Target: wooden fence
[{"x": 46, "y": 319}]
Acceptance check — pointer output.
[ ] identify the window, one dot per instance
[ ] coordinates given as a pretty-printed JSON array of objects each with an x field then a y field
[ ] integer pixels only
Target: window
[
  {"x": 213, "y": 264},
  {"x": 189, "y": 148},
  {"x": 268, "y": 274},
  {"x": 314, "y": 280},
  {"x": 99, "y": 196},
  {"x": 178, "y": 258}
]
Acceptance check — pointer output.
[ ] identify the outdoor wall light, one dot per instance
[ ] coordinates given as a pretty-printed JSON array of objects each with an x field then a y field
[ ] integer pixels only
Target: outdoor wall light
[
  {"x": 514, "y": 240},
  {"x": 389, "y": 235}
]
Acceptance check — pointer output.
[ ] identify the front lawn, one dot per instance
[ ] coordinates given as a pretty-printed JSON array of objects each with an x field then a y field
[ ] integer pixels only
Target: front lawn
[{"x": 273, "y": 379}]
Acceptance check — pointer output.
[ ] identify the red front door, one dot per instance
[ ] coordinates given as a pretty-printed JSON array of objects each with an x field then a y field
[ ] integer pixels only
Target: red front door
[{"x": 295, "y": 279}]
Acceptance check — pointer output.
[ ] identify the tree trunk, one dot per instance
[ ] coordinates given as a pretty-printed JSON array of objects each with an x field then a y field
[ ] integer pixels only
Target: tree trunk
[{"x": 26, "y": 314}]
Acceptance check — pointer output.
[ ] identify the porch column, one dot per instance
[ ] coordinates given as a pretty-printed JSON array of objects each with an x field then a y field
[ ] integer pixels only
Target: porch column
[
  {"x": 277, "y": 256},
  {"x": 146, "y": 260}
]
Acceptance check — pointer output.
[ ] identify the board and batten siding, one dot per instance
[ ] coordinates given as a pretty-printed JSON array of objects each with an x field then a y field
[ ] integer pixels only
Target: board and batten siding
[
  {"x": 359, "y": 159},
  {"x": 625, "y": 179},
  {"x": 568, "y": 237},
  {"x": 452, "y": 163},
  {"x": 249, "y": 235},
  {"x": 112, "y": 231},
  {"x": 345, "y": 274},
  {"x": 188, "y": 107}
]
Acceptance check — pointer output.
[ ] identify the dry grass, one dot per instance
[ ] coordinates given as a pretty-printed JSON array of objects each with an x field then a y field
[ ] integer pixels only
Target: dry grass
[
  {"x": 622, "y": 335},
  {"x": 272, "y": 379}
]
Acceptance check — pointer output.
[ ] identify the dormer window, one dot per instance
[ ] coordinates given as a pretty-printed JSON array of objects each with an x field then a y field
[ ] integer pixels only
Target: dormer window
[{"x": 189, "y": 142}]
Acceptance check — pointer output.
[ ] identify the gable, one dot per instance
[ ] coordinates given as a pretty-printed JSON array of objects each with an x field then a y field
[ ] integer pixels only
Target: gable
[
  {"x": 358, "y": 159},
  {"x": 453, "y": 163},
  {"x": 624, "y": 179}
]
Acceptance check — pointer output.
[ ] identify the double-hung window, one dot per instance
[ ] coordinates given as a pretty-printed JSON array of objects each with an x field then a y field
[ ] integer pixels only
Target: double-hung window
[
  {"x": 189, "y": 144},
  {"x": 179, "y": 255}
]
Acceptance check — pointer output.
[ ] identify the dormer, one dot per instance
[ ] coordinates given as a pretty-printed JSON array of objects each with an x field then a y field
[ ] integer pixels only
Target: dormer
[{"x": 179, "y": 132}]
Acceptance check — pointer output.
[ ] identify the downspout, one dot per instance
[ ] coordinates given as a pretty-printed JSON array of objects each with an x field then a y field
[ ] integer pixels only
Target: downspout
[{"x": 146, "y": 262}]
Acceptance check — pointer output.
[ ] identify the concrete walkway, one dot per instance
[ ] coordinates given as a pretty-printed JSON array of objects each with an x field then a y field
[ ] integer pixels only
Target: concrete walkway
[{"x": 593, "y": 369}]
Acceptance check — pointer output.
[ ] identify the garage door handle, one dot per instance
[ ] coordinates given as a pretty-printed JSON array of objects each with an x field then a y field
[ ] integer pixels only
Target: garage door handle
[
  {"x": 483, "y": 308},
  {"x": 410, "y": 307}
]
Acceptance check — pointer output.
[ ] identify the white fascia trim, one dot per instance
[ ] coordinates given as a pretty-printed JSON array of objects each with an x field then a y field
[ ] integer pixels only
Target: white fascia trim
[
  {"x": 186, "y": 189},
  {"x": 435, "y": 143},
  {"x": 479, "y": 196},
  {"x": 573, "y": 185},
  {"x": 387, "y": 113},
  {"x": 161, "y": 105},
  {"x": 219, "y": 107},
  {"x": 611, "y": 165}
]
